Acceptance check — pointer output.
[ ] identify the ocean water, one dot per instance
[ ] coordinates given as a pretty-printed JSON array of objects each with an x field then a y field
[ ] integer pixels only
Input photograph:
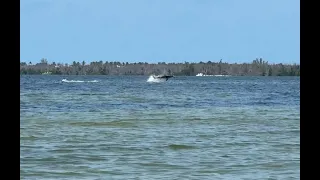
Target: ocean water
[{"x": 126, "y": 127}]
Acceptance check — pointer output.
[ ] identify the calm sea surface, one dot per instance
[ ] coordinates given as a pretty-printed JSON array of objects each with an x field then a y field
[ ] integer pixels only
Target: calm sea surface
[{"x": 123, "y": 127}]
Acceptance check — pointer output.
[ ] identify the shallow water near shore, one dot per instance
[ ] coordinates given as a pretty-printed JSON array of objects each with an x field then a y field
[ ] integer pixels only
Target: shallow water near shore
[{"x": 124, "y": 127}]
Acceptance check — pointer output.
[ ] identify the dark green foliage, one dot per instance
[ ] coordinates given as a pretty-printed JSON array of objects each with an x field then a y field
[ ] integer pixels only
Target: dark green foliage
[
  {"x": 258, "y": 67},
  {"x": 270, "y": 71}
]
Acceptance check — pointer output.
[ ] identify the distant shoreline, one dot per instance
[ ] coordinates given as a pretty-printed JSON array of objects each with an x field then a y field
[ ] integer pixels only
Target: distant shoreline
[
  {"x": 212, "y": 76},
  {"x": 258, "y": 67}
]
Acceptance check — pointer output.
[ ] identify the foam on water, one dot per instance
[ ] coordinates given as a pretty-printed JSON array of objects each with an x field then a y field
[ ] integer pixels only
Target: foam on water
[
  {"x": 153, "y": 80},
  {"x": 65, "y": 80}
]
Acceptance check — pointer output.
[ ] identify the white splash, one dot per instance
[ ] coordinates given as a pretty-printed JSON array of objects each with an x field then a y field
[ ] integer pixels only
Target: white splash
[
  {"x": 78, "y": 81},
  {"x": 154, "y": 80}
]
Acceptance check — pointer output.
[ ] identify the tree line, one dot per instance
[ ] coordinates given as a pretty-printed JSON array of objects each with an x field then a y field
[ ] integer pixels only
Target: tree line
[{"x": 257, "y": 67}]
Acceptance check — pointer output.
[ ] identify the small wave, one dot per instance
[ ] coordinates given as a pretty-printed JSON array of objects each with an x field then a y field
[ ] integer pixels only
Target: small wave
[
  {"x": 151, "y": 79},
  {"x": 122, "y": 124},
  {"x": 180, "y": 146},
  {"x": 65, "y": 80}
]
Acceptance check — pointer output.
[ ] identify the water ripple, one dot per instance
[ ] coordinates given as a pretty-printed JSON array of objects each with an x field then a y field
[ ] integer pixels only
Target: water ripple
[{"x": 185, "y": 128}]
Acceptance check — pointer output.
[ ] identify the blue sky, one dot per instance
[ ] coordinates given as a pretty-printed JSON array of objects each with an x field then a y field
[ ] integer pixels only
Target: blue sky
[{"x": 160, "y": 30}]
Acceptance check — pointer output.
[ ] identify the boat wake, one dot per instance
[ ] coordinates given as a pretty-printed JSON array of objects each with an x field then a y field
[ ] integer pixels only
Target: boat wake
[
  {"x": 76, "y": 81},
  {"x": 151, "y": 79}
]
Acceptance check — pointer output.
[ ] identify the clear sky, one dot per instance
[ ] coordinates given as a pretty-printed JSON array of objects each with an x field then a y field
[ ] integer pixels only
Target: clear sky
[{"x": 160, "y": 30}]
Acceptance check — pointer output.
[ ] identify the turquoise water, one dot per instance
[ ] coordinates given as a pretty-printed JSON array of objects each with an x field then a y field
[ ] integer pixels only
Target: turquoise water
[{"x": 123, "y": 127}]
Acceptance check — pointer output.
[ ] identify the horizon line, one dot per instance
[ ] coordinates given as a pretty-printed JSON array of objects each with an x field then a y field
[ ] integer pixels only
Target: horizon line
[{"x": 177, "y": 62}]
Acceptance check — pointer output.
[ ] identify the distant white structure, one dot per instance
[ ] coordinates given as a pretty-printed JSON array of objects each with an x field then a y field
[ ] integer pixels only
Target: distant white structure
[
  {"x": 222, "y": 75},
  {"x": 201, "y": 74}
]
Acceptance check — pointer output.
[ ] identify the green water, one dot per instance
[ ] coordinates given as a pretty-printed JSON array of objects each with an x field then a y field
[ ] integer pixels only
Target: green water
[{"x": 185, "y": 128}]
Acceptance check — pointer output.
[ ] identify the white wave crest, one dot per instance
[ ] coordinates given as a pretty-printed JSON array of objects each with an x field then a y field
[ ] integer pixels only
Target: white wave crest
[
  {"x": 78, "y": 81},
  {"x": 154, "y": 80}
]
